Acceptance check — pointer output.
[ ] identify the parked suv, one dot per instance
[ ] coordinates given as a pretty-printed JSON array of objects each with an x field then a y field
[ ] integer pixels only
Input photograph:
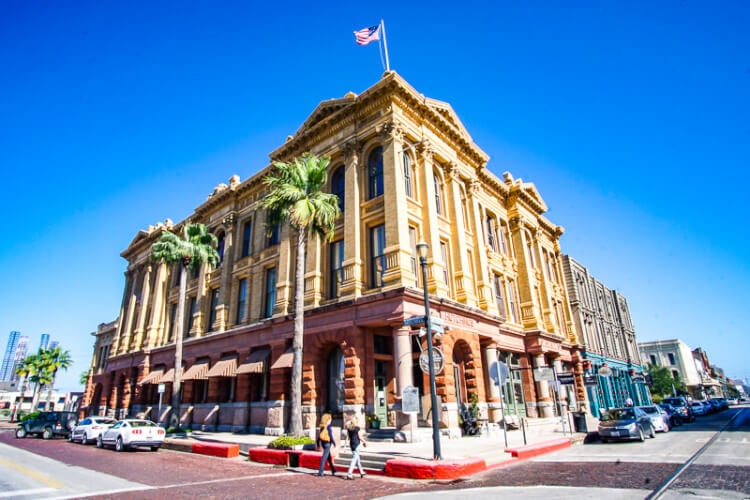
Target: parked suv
[
  {"x": 48, "y": 424},
  {"x": 682, "y": 407}
]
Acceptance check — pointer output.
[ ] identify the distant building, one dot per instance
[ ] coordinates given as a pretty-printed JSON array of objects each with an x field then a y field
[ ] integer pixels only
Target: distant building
[
  {"x": 21, "y": 351},
  {"x": 9, "y": 358},
  {"x": 613, "y": 371},
  {"x": 688, "y": 365},
  {"x": 44, "y": 342}
]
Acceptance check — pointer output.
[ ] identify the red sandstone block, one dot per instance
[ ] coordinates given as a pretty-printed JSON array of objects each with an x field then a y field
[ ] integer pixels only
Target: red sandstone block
[
  {"x": 268, "y": 456},
  {"x": 533, "y": 450},
  {"x": 225, "y": 450},
  {"x": 447, "y": 469}
]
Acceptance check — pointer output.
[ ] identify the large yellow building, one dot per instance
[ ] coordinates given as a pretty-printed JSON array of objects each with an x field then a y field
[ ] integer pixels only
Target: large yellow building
[{"x": 406, "y": 170}]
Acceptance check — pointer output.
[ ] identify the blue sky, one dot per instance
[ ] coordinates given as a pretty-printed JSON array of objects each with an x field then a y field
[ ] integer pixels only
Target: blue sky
[{"x": 630, "y": 118}]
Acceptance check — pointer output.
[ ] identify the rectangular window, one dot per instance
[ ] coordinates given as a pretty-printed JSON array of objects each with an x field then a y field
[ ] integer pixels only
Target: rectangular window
[
  {"x": 502, "y": 238},
  {"x": 273, "y": 238},
  {"x": 172, "y": 317},
  {"x": 671, "y": 359},
  {"x": 512, "y": 307},
  {"x": 241, "y": 301},
  {"x": 491, "y": 237},
  {"x": 408, "y": 187},
  {"x": 191, "y": 316},
  {"x": 337, "y": 268},
  {"x": 212, "y": 312},
  {"x": 413, "y": 243},
  {"x": 499, "y": 296},
  {"x": 270, "y": 301},
  {"x": 444, "y": 254},
  {"x": 438, "y": 194},
  {"x": 652, "y": 357},
  {"x": 377, "y": 257},
  {"x": 247, "y": 237}
]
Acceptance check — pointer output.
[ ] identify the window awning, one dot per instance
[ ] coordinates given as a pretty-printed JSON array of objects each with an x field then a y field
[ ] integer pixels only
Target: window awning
[
  {"x": 167, "y": 378},
  {"x": 153, "y": 377},
  {"x": 255, "y": 362},
  {"x": 225, "y": 367},
  {"x": 285, "y": 360},
  {"x": 199, "y": 371}
]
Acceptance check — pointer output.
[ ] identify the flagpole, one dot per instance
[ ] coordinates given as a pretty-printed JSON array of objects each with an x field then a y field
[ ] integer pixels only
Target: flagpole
[{"x": 385, "y": 45}]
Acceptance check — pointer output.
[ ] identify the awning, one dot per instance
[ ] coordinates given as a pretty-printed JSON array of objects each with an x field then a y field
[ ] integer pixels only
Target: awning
[
  {"x": 199, "y": 371},
  {"x": 225, "y": 367},
  {"x": 167, "y": 378},
  {"x": 285, "y": 360},
  {"x": 153, "y": 377},
  {"x": 254, "y": 363}
]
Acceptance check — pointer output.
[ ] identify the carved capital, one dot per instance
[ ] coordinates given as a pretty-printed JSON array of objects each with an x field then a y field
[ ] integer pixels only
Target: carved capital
[
  {"x": 386, "y": 130},
  {"x": 475, "y": 187},
  {"x": 352, "y": 150},
  {"x": 229, "y": 220},
  {"x": 453, "y": 171}
]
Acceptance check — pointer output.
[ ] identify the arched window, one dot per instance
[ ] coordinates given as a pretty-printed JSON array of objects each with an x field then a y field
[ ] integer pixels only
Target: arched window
[
  {"x": 337, "y": 185},
  {"x": 220, "y": 247},
  {"x": 336, "y": 381},
  {"x": 375, "y": 173}
]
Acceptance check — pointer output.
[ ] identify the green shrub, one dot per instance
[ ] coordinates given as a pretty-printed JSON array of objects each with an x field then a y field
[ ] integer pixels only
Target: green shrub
[
  {"x": 288, "y": 442},
  {"x": 29, "y": 416},
  {"x": 178, "y": 430}
]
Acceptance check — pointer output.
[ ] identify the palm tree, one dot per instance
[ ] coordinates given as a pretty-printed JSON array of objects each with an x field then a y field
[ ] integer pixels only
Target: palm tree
[
  {"x": 296, "y": 195},
  {"x": 195, "y": 247},
  {"x": 83, "y": 378},
  {"x": 55, "y": 359},
  {"x": 24, "y": 369},
  {"x": 41, "y": 374}
]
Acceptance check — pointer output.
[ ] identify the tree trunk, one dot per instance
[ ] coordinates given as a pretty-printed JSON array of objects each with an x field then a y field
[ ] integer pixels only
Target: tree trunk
[
  {"x": 174, "y": 417},
  {"x": 19, "y": 404},
  {"x": 49, "y": 393},
  {"x": 299, "y": 330}
]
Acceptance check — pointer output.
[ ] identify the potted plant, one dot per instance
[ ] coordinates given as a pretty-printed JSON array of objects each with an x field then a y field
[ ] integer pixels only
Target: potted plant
[{"x": 373, "y": 421}]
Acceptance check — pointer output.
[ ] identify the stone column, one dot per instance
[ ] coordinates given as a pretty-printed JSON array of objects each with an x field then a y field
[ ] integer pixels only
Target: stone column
[
  {"x": 352, "y": 284},
  {"x": 543, "y": 400},
  {"x": 483, "y": 278},
  {"x": 461, "y": 267},
  {"x": 143, "y": 310},
  {"x": 404, "y": 373},
  {"x": 225, "y": 292},
  {"x": 494, "y": 391},
  {"x": 157, "y": 322},
  {"x": 126, "y": 327}
]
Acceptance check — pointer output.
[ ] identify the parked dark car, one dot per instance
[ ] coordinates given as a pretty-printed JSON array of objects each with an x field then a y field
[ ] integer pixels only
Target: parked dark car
[
  {"x": 625, "y": 424},
  {"x": 675, "y": 418},
  {"x": 682, "y": 407},
  {"x": 721, "y": 402},
  {"x": 48, "y": 424}
]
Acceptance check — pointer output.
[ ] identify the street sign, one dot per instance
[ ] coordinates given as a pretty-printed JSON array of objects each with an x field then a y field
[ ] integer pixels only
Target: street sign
[
  {"x": 438, "y": 361},
  {"x": 544, "y": 374},
  {"x": 639, "y": 379},
  {"x": 566, "y": 378},
  {"x": 414, "y": 320},
  {"x": 499, "y": 372},
  {"x": 436, "y": 321},
  {"x": 437, "y": 329},
  {"x": 160, "y": 388},
  {"x": 589, "y": 379},
  {"x": 410, "y": 399}
]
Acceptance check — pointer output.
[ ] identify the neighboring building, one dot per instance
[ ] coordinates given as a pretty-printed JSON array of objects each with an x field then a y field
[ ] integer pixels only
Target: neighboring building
[
  {"x": 21, "y": 351},
  {"x": 689, "y": 366},
  {"x": 9, "y": 358},
  {"x": 611, "y": 361},
  {"x": 44, "y": 341},
  {"x": 709, "y": 386},
  {"x": 406, "y": 170}
]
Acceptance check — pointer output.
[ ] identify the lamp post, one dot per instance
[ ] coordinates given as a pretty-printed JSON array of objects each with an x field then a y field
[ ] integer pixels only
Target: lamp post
[{"x": 422, "y": 249}]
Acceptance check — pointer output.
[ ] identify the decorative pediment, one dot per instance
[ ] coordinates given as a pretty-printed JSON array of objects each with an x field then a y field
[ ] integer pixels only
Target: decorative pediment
[
  {"x": 324, "y": 110},
  {"x": 446, "y": 111}
]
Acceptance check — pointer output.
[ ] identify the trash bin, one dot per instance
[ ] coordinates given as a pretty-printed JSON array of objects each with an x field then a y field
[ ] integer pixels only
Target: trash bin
[
  {"x": 579, "y": 421},
  {"x": 294, "y": 458}
]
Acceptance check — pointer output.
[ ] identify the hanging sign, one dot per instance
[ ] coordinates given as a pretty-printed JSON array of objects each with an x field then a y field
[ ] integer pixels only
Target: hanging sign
[
  {"x": 605, "y": 371},
  {"x": 566, "y": 378},
  {"x": 437, "y": 357}
]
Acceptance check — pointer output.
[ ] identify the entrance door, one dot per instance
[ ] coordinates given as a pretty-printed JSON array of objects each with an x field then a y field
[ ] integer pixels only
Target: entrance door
[{"x": 381, "y": 406}]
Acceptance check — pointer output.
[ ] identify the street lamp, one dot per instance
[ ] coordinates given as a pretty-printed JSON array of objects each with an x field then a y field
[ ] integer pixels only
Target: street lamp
[{"x": 422, "y": 249}]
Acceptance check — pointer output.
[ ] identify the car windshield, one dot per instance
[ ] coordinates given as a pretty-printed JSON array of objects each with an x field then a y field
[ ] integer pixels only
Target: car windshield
[
  {"x": 621, "y": 414},
  {"x": 141, "y": 423},
  {"x": 649, "y": 409}
]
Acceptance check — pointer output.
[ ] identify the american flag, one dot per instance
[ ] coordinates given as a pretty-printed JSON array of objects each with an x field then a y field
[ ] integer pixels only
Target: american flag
[{"x": 367, "y": 35}]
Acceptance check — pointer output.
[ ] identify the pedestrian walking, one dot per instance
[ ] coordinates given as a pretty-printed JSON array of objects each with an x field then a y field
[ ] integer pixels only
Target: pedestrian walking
[
  {"x": 325, "y": 441},
  {"x": 356, "y": 441},
  {"x": 629, "y": 402}
]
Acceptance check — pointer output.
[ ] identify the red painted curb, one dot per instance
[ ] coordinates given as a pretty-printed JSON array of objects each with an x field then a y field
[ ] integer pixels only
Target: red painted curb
[
  {"x": 448, "y": 469},
  {"x": 224, "y": 450},
  {"x": 533, "y": 450}
]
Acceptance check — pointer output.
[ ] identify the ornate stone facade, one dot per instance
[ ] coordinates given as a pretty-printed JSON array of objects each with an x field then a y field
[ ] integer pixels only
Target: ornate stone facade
[{"x": 406, "y": 170}]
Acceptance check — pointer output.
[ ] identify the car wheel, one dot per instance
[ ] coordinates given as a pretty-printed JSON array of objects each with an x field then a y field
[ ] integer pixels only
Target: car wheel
[
  {"x": 99, "y": 442},
  {"x": 47, "y": 433},
  {"x": 119, "y": 446},
  {"x": 20, "y": 433},
  {"x": 154, "y": 448},
  {"x": 652, "y": 434},
  {"x": 641, "y": 436},
  {"x": 85, "y": 439},
  {"x": 70, "y": 437},
  {"x": 666, "y": 427},
  {"x": 605, "y": 440}
]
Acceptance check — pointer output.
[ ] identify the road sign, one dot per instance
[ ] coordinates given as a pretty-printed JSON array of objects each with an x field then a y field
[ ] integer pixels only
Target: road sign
[
  {"x": 161, "y": 388},
  {"x": 437, "y": 329},
  {"x": 410, "y": 399},
  {"x": 566, "y": 378},
  {"x": 414, "y": 320},
  {"x": 436, "y": 321},
  {"x": 544, "y": 374},
  {"x": 438, "y": 361},
  {"x": 499, "y": 372},
  {"x": 589, "y": 379}
]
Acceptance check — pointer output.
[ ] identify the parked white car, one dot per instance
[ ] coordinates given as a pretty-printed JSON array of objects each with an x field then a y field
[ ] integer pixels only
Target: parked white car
[
  {"x": 88, "y": 429},
  {"x": 659, "y": 417},
  {"x": 132, "y": 432}
]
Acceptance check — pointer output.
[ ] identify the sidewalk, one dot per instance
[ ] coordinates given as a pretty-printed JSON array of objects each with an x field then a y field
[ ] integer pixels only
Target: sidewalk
[{"x": 461, "y": 457}]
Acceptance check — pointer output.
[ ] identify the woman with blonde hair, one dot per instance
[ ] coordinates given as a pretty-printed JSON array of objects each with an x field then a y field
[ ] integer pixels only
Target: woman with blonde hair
[
  {"x": 325, "y": 440},
  {"x": 355, "y": 439}
]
